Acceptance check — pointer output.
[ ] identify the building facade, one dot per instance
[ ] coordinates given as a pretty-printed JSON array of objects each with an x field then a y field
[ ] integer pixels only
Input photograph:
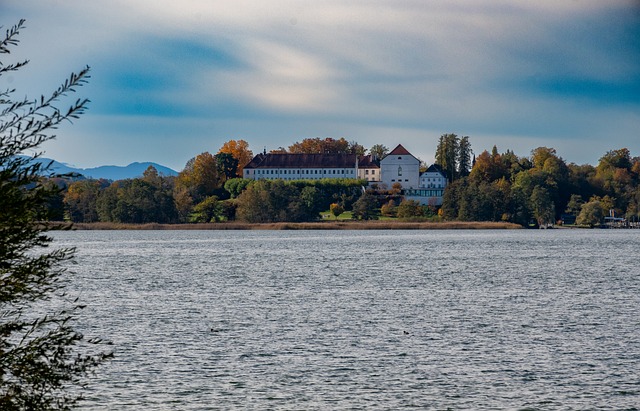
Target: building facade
[
  {"x": 400, "y": 166},
  {"x": 369, "y": 168},
  {"x": 430, "y": 191},
  {"x": 397, "y": 167},
  {"x": 288, "y": 166}
]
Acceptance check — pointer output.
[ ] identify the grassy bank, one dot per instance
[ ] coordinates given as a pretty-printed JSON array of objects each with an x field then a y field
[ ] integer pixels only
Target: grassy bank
[{"x": 320, "y": 225}]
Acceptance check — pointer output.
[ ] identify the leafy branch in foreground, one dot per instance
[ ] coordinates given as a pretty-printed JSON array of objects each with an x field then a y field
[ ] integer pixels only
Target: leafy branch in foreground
[{"x": 43, "y": 360}]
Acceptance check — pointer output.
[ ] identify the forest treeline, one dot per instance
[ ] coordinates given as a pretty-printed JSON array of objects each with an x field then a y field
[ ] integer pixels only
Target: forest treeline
[{"x": 492, "y": 186}]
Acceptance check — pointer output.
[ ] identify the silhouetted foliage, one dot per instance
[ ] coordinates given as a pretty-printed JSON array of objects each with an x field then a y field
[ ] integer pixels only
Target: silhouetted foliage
[{"x": 43, "y": 360}]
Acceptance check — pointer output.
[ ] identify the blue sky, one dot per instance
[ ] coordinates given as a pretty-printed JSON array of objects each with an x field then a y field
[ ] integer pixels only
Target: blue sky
[{"x": 173, "y": 79}]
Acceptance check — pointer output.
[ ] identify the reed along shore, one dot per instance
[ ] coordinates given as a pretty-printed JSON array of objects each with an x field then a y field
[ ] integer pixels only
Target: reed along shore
[{"x": 320, "y": 225}]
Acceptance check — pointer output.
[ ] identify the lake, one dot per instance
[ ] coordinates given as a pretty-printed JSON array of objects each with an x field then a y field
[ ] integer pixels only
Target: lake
[{"x": 316, "y": 320}]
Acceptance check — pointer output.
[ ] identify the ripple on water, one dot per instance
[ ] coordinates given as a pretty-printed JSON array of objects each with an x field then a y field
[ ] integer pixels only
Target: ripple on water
[{"x": 362, "y": 320}]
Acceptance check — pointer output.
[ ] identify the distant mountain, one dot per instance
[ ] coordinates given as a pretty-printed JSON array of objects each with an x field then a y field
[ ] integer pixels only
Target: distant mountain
[{"x": 133, "y": 170}]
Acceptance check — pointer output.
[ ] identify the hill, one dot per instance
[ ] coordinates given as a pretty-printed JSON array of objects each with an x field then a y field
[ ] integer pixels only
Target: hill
[{"x": 133, "y": 170}]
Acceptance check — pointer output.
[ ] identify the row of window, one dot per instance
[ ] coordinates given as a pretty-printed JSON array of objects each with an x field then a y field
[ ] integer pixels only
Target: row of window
[
  {"x": 306, "y": 172},
  {"x": 424, "y": 193}
]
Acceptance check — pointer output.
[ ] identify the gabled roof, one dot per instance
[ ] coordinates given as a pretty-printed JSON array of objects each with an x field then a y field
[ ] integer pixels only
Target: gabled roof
[
  {"x": 369, "y": 161},
  {"x": 399, "y": 151},
  {"x": 435, "y": 168},
  {"x": 288, "y": 160}
]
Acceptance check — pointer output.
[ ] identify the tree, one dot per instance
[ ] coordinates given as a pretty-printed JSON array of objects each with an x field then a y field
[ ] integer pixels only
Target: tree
[
  {"x": 409, "y": 209},
  {"x": 591, "y": 214},
  {"x": 239, "y": 149},
  {"x": 207, "y": 211},
  {"x": 268, "y": 201},
  {"x": 200, "y": 177},
  {"x": 447, "y": 154},
  {"x": 389, "y": 209},
  {"x": 464, "y": 156},
  {"x": 365, "y": 208},
  {"x": 326, "y": 146},
  {"x": 575, "y": 205},
  {"x": 542, "y": 206},
  {"x": 336, "y": 209},
  {"x": 379, "y": 150},
  {"x": 43, "y": 360},
  {"x": 235, "y": 186},
  {"x": 80, "y": 201},
  {"x": 227, "y": 166}
]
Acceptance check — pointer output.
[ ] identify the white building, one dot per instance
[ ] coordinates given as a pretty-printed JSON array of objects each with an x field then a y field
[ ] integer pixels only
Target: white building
[
  {"x": 397, "y": 167},
  {"x": 400, "y": 166},
  {"x": 287, "y": 166},
  {"x": 431, "y": 188}
]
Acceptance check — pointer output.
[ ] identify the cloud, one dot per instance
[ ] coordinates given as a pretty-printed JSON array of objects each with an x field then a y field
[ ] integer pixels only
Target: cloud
[{"x": 275, "y": 72}]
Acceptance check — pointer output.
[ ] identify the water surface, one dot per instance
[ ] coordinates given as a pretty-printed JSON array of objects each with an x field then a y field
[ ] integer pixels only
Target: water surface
[{"x": 362, "y": 319}]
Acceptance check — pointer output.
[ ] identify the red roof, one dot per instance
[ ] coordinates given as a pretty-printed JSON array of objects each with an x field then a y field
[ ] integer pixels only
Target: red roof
[{"x": 399, "y": 151}]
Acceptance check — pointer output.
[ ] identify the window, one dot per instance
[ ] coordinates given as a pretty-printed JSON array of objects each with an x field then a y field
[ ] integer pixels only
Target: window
[
  {"x": 366, "y": 171},
  {"x": 373, "y": 171},
  {"x": 399, "y": 171}
]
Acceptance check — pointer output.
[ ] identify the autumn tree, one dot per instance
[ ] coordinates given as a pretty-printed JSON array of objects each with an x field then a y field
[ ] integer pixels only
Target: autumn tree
[
  {"x": 200, "y": 177},
  {"x": 336, "y": 209},
  {"x": 239, "y": 149},
  {"x": 80, "y": 201},
  {"x": 389, "y": 209},
  {"x": 379, "y": 150},
  {"x": 43, "y": 360},
  {"x": 409, "y": 209},
  {"x": 326, "y": 146}
]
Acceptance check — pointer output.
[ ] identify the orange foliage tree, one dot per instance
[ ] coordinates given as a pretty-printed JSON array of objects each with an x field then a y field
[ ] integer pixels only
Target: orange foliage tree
[{"x": 239, "y": 149}]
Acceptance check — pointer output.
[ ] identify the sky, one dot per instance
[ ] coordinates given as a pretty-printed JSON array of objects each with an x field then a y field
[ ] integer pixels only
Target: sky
[{"x": 173, "y": 79}]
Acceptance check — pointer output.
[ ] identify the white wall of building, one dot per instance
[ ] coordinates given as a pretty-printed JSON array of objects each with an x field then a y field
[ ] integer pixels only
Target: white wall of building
[
  {"x": 299, "y": 173},
  {"x": 403, "y": 169}
]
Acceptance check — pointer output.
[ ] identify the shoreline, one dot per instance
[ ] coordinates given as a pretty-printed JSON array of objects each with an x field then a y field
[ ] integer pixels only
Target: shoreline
[{"x": 323, "y": 225}]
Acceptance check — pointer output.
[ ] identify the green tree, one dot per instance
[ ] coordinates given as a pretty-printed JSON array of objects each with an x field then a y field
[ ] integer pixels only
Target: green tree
[
  {"x": 591, "y": 213},
  {"x": 80, "y": 201},
  {"x": 464, "y": 156},
  {"x": 575, "y": 205},
  {"x": 235, "y": 186},
  {"x": 542, "y": 206},
  {"x": 136, "y": 201},
  {"x": 207, "y": 211},
  {"x": 409, "y": 209},
  {"x": 365, "y": 208},
  {"x": 447, "y": 154},
  {"x": 267, "y": 201},
  {"x": 379, "y": 150},
  {"x": 43, "y": 360},
  {"x": 227, "y": 166}
]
